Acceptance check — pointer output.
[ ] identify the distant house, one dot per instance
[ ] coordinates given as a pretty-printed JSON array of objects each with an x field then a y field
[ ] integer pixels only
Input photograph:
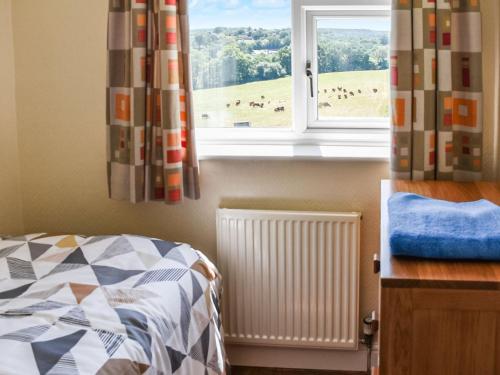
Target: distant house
[{"x": 264, "y": 51}]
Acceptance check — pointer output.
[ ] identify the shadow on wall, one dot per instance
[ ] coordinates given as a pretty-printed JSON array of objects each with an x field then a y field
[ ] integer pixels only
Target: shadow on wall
[{"x": 290, "y": 204}]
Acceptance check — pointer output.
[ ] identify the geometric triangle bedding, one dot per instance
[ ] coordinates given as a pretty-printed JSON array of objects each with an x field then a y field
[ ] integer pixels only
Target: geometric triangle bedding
[{"x": 107, "y": 305}]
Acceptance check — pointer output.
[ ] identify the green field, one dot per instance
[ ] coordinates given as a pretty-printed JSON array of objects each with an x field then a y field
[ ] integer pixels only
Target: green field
[{"x": 217, "y": 107}]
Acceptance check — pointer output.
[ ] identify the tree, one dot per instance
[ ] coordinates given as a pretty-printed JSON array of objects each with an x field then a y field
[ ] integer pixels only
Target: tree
[
  {"x": 379, "y": 57},
  {"x": 199, "y": 41},
  {"x": 358, "y": 60},
  {"x": 236, "y": 65},
  {"x": 328, "y": 58},
  {"x": 285, "y": 59},
  {"x": 269, "y": 70},
  {"x": 233, "y": 56}
]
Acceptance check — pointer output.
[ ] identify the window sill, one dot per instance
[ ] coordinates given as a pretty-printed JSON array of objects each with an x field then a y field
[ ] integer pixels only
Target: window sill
[
  {"x": 292, "y": 152},
  {"x": 339, "y": 144}
]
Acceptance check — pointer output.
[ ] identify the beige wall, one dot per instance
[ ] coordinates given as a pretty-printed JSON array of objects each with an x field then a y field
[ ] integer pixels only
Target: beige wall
[
  {"x": 61, "y": 63},
  {"x": 10, "y": 193},
  {"x": 491, "y": 79}
]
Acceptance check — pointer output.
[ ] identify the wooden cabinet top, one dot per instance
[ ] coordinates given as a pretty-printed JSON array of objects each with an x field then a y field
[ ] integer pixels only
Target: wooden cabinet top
[{"x": 406, "y": 272}]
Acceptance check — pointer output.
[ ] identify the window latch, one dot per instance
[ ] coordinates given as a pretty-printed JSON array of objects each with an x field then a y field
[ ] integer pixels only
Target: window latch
[{"x": 309, "y": 75}]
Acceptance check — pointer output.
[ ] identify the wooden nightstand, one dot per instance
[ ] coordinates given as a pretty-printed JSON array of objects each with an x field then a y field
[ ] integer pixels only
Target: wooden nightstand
[{"x": 438, "y": 317}]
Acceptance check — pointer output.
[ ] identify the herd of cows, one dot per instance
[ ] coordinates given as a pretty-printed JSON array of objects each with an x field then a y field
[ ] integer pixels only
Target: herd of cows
[
  {"x": 341, "y": 92},
  {"x": 252, "y": 104}
]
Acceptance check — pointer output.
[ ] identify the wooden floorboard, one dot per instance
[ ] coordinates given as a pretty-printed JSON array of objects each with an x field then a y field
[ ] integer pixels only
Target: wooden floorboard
[{"x": 275, "y": 371}]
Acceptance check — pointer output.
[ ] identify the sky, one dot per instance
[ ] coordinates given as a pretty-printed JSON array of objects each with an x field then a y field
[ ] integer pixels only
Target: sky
[
  {"x": 274, "y": 14},
  {"x": 238, "y": 13}
]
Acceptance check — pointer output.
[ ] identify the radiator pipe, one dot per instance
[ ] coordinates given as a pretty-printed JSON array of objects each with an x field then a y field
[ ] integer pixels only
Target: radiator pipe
[{"x": 370, "y": 327}]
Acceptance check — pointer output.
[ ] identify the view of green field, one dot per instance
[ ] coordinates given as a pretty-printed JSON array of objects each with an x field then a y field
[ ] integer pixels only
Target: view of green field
[{"x": 366, "y": 91}]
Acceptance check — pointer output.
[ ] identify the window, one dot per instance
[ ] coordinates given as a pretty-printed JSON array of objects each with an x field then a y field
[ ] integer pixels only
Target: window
[
  {"x": 241, "y": 63},
  {"x": 291, "y": 72},
  {"x": 348, "y": 52}
]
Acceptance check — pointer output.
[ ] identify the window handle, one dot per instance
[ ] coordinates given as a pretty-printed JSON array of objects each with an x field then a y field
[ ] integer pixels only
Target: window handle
[{"x": 309, "y": 75}]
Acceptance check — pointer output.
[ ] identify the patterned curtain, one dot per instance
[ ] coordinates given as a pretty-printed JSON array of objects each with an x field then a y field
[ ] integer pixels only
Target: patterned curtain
[
  {"x": 151, "y": 145},
  {"x": 436, "y": 81}
]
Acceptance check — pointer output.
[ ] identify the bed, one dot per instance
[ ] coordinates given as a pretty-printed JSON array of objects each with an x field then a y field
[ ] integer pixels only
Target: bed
[{"x": 107, "y": 305}]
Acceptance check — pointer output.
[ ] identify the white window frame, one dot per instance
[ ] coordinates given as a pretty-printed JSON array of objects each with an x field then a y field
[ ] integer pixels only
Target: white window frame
[
  {"x": 353, "y": 139},
  {"x": 312, "y": 18}
]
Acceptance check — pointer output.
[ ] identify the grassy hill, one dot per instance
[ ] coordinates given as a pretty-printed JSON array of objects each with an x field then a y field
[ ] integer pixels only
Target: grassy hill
[{"x": 211, "y": 105}]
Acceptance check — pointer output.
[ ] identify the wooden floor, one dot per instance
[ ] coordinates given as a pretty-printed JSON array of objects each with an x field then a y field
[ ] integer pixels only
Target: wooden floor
[{"x": 274, "y": 371}]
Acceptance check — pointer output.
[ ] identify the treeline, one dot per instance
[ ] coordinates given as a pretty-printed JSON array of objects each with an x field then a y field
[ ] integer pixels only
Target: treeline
[{"x": 233, "y": 56}]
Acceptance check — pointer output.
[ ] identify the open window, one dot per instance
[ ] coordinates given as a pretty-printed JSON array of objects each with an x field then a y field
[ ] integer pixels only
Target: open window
[{"x": 347, "y": 68}]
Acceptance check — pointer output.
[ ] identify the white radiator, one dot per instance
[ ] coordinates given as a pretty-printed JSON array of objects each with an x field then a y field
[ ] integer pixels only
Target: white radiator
[{"x": 290, "y": 278}]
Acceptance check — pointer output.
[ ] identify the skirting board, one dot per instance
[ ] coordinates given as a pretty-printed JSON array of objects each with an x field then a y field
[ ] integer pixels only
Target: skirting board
[{"x": 312, "y": 359}]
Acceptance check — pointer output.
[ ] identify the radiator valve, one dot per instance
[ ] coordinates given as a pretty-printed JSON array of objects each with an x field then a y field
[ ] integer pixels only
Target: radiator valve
[{"x": 370, "y": 327}]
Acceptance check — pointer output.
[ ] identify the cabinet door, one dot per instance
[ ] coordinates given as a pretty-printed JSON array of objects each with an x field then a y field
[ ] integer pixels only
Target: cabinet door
[{"x": 439, "y": 332}]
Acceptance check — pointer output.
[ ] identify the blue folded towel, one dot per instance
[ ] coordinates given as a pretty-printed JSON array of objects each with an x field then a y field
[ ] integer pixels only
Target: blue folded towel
[{"x": 429, "y": 228}]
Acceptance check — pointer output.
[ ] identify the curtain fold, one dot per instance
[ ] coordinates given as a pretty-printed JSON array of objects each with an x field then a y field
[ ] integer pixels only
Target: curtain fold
[
  {"x": 151, "y": 150},
  {"x": 436, "y": 84}
]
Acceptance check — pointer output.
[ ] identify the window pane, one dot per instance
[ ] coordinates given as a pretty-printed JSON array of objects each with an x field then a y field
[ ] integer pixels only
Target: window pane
[
  {"x": 241, "y": 63},
  {"x": 353, "y": 79}
]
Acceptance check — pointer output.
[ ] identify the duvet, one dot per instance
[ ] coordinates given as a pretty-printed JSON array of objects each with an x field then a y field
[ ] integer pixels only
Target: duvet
[{"x": 122, "y": 305}]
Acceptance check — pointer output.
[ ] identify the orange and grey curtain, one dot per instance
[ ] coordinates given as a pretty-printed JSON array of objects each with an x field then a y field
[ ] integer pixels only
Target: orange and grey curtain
[
  {"x": 151, "y": 146},
  {"x": 436, "y": 82}
]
